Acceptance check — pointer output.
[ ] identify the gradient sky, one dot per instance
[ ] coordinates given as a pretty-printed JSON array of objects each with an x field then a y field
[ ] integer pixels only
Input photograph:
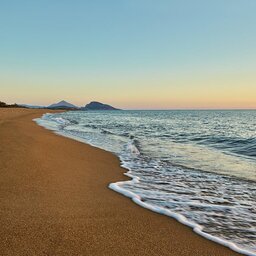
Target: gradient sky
[{"x": 130, "y": 53}]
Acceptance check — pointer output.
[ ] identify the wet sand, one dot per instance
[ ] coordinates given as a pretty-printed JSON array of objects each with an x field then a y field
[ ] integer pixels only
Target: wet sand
[{"x": 54, "y": 200}]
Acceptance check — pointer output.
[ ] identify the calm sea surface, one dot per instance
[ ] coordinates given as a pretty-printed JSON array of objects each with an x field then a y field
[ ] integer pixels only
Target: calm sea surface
[{"x": 197, "y": 166}]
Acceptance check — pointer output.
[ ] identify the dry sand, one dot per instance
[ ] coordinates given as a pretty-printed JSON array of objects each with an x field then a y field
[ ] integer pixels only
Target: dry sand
[{"x": 54, "y": 200}]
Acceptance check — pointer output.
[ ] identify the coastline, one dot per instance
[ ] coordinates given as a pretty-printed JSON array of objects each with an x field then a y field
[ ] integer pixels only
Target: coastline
[{"x": 55, "y": 200}]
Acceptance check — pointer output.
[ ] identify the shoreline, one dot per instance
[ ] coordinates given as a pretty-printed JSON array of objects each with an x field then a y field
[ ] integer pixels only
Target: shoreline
[
  {"x": 55, "y": 200},
  {"x": 117, "y": 187}
]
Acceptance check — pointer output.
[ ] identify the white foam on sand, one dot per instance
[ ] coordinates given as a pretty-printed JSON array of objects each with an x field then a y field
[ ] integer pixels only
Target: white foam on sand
[{"x": 117, "y": 186}]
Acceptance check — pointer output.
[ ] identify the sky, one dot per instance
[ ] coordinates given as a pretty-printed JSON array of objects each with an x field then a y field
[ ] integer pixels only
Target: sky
[{"x": 133, "y": 54}]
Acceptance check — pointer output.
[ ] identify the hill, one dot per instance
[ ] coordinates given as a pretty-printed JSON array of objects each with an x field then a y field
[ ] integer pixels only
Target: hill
[
  {"x": 62, "y": 105},
  {"x": 94, "y": 105}
]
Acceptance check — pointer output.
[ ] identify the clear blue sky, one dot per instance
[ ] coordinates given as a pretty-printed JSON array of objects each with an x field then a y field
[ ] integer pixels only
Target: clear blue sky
[{"x": 130, "y": 53}]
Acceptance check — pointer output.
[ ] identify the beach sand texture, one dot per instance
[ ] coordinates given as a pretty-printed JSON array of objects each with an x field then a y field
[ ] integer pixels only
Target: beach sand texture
[{"x": 54, "y": 200}]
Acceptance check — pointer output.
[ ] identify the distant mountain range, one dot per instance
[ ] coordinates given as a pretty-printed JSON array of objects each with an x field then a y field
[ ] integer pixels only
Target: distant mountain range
[{"x": 94, "y": 105}]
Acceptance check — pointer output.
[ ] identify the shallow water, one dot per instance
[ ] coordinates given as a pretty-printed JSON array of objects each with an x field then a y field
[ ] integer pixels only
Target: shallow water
[{"x": 199, "y": 166}]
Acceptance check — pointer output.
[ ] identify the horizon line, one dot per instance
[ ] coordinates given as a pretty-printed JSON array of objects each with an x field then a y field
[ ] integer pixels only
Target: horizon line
[{"x": 146, "y": 109}]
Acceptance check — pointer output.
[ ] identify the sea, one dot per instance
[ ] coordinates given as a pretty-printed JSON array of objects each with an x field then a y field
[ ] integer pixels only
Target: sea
[{"x": 197, "y": 166}]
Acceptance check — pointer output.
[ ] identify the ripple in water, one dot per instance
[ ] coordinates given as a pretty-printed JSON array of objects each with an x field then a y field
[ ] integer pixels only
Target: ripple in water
[{"x": 200, "y": 165}]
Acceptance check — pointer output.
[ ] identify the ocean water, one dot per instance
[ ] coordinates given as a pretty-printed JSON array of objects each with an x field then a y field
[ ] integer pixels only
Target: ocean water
[{"x": 196, "y": 166}]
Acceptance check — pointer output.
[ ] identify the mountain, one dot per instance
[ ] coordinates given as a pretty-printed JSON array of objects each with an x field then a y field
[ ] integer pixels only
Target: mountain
[
  {"x": 94, "y": 105},
  {"x": 63, "y": 105}
]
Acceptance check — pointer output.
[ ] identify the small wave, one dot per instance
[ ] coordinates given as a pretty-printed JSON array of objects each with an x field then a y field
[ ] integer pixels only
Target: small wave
[
  {"x": 107, "y": 132},
  {"x": 180, "y": 218},
  {"x": 132, "y": 146},
  {"x": 61, "y": 120},
  {"x": 90, "y": 126},
  {"x": 245, "y": 147},
  {"x": 135, "y": 180},
  {"x": 73, "y": 121}
]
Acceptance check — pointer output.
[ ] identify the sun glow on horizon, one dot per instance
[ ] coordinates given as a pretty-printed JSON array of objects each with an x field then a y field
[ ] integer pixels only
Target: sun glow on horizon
[{"x": 132, "y": 55}]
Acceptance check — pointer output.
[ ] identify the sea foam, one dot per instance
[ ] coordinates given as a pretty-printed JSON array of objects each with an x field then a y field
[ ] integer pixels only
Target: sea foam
[
  {"x": 117, "y": 186},
  {"x": 177, "y": 171}
]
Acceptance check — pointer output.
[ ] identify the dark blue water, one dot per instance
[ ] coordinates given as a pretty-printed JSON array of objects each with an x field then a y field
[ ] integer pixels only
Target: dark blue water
[{"x": 199, "y": 165}]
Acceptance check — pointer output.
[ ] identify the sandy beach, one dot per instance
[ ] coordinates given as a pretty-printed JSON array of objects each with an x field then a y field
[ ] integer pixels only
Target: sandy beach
[{"x": 55, "y": 200}]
